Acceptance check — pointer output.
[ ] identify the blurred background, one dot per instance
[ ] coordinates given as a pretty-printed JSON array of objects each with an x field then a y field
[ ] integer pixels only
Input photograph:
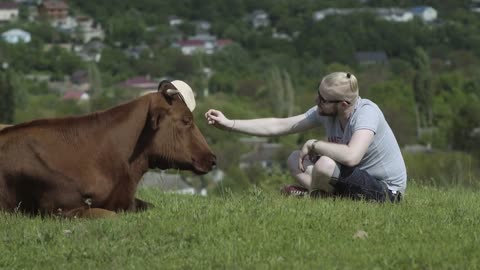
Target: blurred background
[{"x": 418, "y": 60}]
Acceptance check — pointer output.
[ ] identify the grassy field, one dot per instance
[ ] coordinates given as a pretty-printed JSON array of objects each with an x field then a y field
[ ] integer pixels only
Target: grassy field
[{"x": 430, "y": 229}]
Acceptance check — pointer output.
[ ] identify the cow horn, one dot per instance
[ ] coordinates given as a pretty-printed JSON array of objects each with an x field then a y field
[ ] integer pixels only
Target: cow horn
[{"x": 172, "y": 92}]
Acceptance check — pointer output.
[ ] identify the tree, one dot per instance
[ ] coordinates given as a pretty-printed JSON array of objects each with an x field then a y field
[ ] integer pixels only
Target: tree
[
  {"x": 281, "y": 92},
  {"x": 396, "y": 101},
  {"x": 7, "y": 101},
  {"x": 423, "y": 90},
  {"x": 465, "y": 130}
]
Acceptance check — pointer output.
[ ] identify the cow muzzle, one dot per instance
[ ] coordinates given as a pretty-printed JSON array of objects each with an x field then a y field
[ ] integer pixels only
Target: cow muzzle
[{"x": 204, "y": 165}]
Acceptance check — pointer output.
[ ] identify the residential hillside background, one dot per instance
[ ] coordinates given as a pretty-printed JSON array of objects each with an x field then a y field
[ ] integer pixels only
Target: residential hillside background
[{"x": 418, "y": 60}]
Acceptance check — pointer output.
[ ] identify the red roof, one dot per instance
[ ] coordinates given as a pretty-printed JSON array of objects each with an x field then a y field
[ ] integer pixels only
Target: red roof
[
  {"x": 8, "y": 5},
  {"x": 142, "y": 82},
  {"x": 72, "y": 95},
  {"x": 224, "y": 42},
  {"x": 55, "y": 4},
  {"x": 191, "y": 42}
]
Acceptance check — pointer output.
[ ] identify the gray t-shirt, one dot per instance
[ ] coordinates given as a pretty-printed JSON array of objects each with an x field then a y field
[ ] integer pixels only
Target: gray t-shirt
[{"x": 383, "y": 159}]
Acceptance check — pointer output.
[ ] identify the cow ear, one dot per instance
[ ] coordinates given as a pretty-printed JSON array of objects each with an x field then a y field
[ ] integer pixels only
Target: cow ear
[{"x": 167, "y": 89}]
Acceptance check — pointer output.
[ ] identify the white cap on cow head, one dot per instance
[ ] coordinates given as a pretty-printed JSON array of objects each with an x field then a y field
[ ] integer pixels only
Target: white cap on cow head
[{"x": 186, "y": 93}]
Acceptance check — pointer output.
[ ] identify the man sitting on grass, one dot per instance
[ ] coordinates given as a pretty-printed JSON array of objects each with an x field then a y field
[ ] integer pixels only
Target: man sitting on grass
[{"x": 360, "y": 160}]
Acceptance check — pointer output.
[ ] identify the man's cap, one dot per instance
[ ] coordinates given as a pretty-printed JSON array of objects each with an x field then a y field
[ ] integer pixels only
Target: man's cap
[{"x": 186, "y": 93}]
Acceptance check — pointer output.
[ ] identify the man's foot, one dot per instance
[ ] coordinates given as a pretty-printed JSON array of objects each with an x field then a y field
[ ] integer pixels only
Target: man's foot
[
  {"x": 293, "y": 190},
  {"x": 318, "y": 194}
]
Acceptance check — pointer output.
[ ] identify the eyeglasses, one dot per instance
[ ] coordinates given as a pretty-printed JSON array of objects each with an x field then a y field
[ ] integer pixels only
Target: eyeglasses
[{"x": 321, "y": 100}]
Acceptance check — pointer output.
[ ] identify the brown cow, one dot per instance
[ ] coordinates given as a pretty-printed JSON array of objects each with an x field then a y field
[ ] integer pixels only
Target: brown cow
[{"x": 90, "y": 166}]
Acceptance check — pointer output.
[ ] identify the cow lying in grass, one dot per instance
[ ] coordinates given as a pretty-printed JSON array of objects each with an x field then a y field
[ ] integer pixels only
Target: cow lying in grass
[{"x": 89, "y": 166}]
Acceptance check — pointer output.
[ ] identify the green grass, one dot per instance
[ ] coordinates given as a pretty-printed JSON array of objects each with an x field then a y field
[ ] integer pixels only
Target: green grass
[{"x": 258, "y": 229}]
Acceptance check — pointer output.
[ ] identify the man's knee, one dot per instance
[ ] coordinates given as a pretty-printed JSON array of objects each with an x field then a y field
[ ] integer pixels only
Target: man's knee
[
  {"x": 325, "y": 166},
  {"x": 292, "y": 161}
]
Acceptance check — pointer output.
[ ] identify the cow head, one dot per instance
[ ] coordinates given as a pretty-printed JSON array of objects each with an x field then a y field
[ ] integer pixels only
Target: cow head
[{"x": 176, "y": 141}]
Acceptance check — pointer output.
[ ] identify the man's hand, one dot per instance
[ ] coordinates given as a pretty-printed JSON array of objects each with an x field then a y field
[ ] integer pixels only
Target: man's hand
[
  {"x": 218, "y": 120},
  {"x": 307, "y": 151}
]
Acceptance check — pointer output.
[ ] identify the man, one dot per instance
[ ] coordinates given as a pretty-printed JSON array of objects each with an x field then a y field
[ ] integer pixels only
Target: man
[{"x": 360, "y": 160}]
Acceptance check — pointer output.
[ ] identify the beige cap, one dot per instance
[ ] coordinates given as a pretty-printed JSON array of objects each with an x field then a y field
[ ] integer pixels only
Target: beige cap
[{"x": 186, "y": 93}]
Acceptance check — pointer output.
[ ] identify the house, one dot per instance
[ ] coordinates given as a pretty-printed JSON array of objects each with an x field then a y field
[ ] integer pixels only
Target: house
[
  {"x": 66, "y": 46},
  {"x": 258, "y": 18},
  {"x": 475, "y": 132},
  {"x": 174, "y": 21},
  {"x": 80, "y": 80},
  {"x": 192, "y": 46},
  {"x": 71, "y": 87},
  {"x": 8, "y": 11},
  {"x": 142, "y": 83},
  {"x": 89, "y": 30},
  {"x": 92, "y": 51},
  {"x": 136, "y": 52},
  {"x": 68, "y": 24},
  {"x": 371, "y": 57},
  {"x": 202, "y": 27},
  {"x": 322, "y": 14},
  {"x": 425, "y": 13},
  {"x": 263, "y": 153},
  {"x": 202, "y": 45},
  {"x": 174, "y": 183},
  {"x": 53, "y": 10},
  {"x": 222, "y": 43},
  {"x": 16, "y": 35},
  {"x": 418, "y": 148},
  {"x": 475, "y": 6},
  {"x": 76, "y": 96},
  {"x": 394, "y": 14},
  {"x": 279, "y": 35}
]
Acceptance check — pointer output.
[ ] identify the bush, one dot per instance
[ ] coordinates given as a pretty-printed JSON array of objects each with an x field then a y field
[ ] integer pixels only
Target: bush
[{"x": 443, "y": 169}]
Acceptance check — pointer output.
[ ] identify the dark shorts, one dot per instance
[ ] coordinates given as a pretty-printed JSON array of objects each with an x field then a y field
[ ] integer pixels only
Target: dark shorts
[{"x": 358, "y": 184}]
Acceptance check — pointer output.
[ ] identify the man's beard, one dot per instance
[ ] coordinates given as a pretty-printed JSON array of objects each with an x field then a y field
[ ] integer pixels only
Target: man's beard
[{"x": 322, "y": 113}]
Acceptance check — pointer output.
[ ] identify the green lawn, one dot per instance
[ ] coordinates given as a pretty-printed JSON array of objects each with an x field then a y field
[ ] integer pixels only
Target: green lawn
[{"x": 430, "y": 229}]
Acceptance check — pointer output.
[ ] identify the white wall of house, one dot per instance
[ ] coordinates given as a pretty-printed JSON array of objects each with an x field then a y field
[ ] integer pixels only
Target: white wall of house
[
  {"x": 7, "y": 15},
  {"x": 189, "y": 50},
  {"x": 393, "y": 14},
  {"x": 94, "y": 33},
  {"x": 399, "y": 17}
]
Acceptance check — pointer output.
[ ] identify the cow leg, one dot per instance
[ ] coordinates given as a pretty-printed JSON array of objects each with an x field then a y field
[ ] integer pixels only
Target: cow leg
[
  {"x": 139, "y": 205},
  {"x": 88, "y": 213}
]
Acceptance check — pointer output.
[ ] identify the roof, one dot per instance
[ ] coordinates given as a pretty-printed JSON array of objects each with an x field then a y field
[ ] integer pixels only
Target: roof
[
  {"x": 224, "y": 42},
  {"x": 191, "y": 42},
  {"x": 50, "y": 4},
  {"x": 16, "y": 31},
  {"x": 74, "y": 95},
  {"x": 141, "y": 82},
  {"x": 79, "y": 76},
  {"x": 371, "y": 56},
  {"x": 419, "y": 9},
  {"x": 8, "y": 5}
]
